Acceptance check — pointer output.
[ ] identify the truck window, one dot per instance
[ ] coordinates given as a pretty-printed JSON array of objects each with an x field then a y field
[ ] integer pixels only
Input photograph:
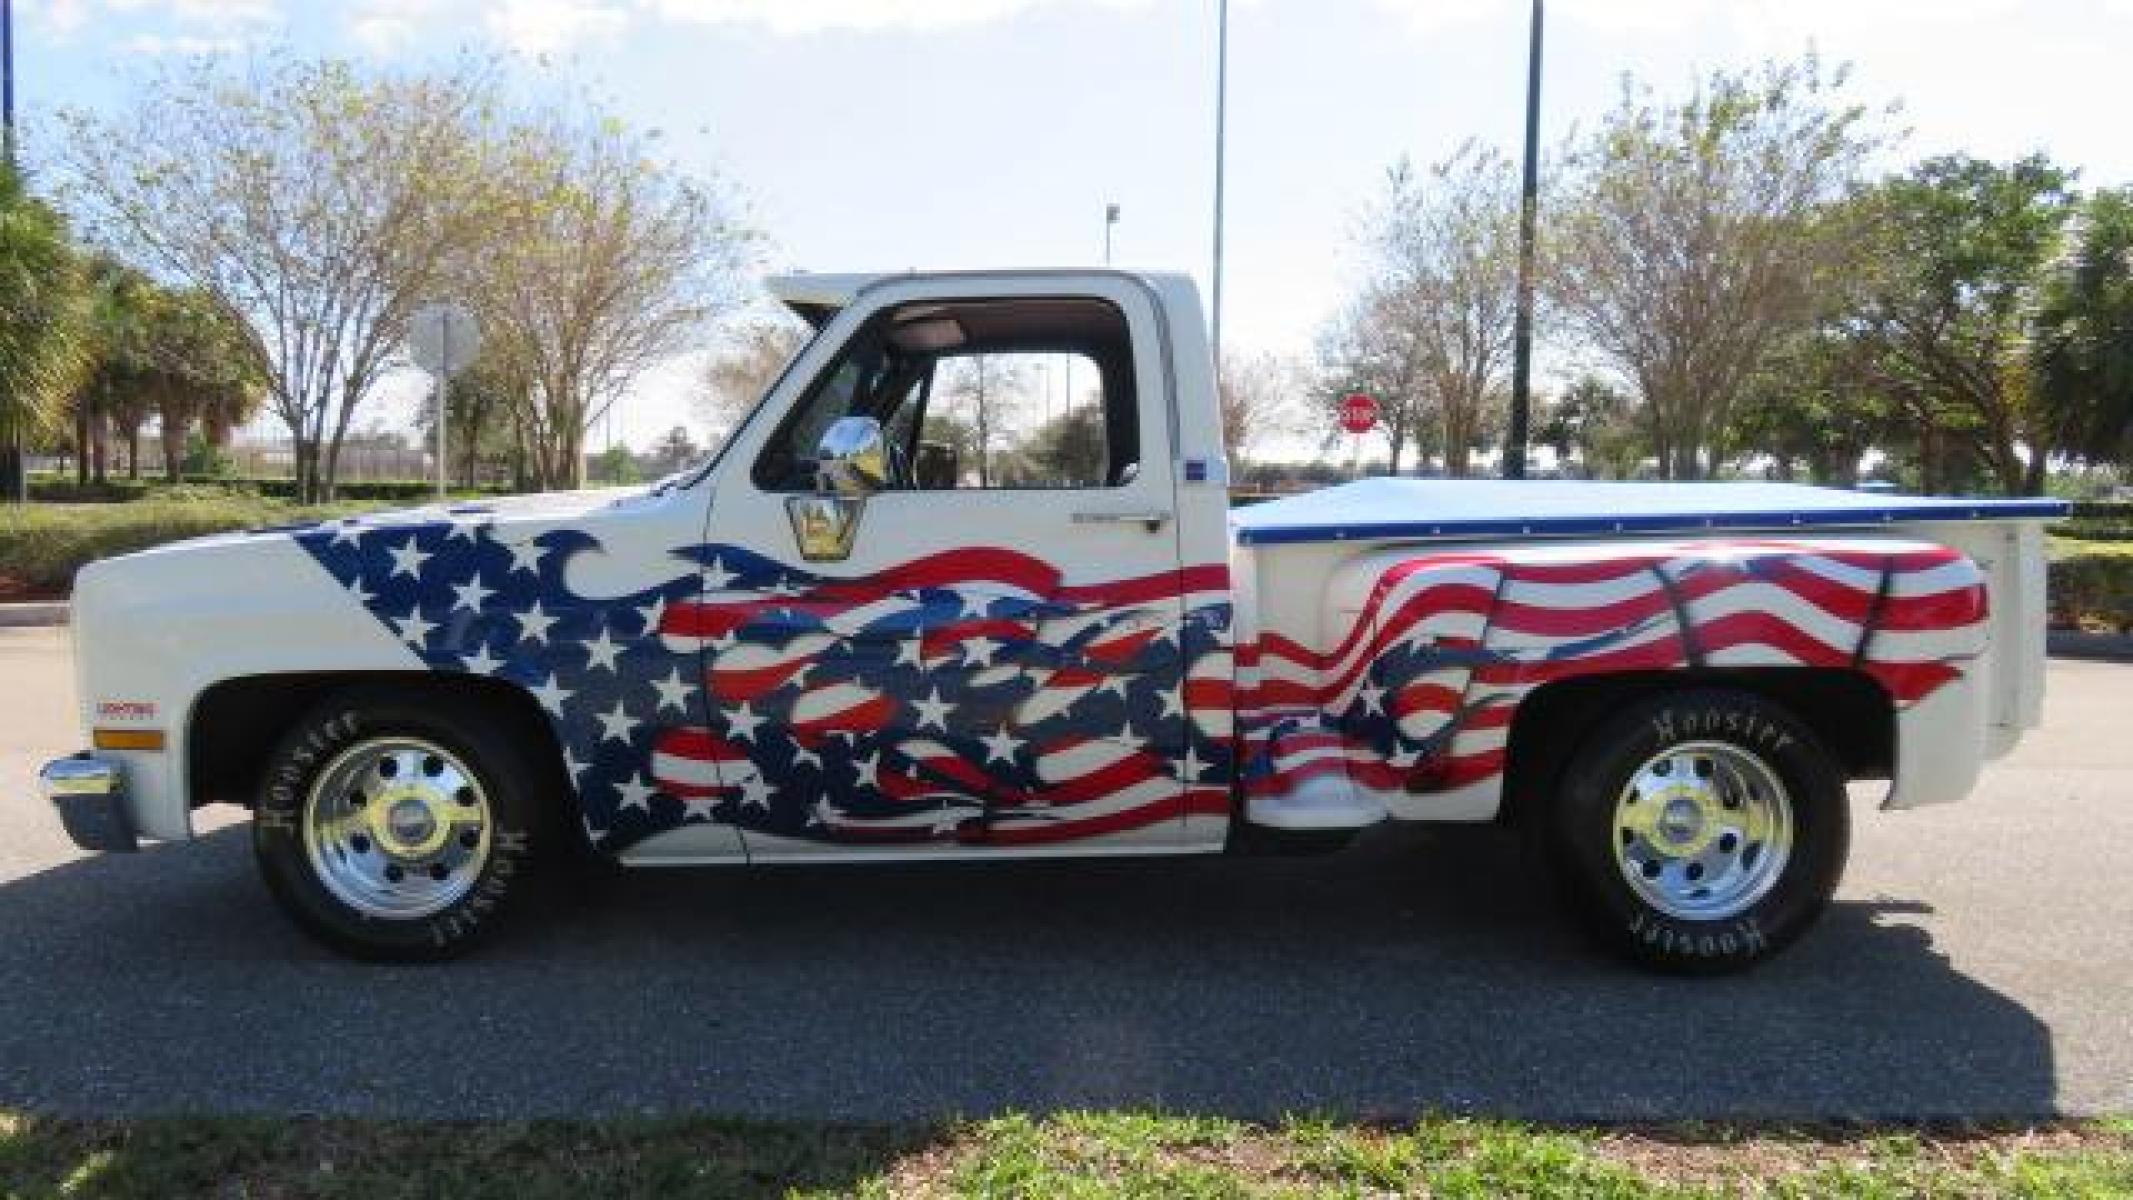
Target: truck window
[{"x": 978, "y": 395}]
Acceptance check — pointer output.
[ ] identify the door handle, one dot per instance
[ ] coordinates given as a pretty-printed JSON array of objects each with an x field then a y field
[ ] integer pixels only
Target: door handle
[{"x": 1153, "y": 520}]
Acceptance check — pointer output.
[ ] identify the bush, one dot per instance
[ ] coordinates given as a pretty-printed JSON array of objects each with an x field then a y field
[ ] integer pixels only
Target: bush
[
  {"x": 392, "y": 491},
  {"x": 42, "y": 545},
  {"x": 2092, "y": 589}
]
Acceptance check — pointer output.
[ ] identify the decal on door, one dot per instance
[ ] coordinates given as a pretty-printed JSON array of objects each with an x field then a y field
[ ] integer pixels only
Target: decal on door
[
  {"x": 972, "y": 697},
  {"x": 1419, "y": 694}
]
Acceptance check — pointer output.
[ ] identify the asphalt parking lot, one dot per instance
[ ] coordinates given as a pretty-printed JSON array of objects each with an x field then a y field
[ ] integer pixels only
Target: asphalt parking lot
[{"x": 1978, "y": 963}]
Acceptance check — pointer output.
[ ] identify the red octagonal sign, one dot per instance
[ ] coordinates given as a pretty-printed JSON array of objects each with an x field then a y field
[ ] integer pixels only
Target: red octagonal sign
[{"x": 1359, "y": 413}]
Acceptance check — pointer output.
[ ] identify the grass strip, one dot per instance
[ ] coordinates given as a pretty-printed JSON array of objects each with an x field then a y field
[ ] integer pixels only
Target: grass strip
[{"x": 1076, "y": 1154}]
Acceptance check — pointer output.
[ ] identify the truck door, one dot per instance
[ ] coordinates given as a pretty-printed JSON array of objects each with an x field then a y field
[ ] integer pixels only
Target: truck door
[{"x": 941, "y": 595}]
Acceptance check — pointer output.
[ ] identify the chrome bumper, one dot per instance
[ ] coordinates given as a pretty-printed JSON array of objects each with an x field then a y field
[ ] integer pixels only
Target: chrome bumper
[{"x": 89, "y": 793}]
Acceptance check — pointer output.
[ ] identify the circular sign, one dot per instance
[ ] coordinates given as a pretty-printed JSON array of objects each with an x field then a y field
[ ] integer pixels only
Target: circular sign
[
  {"x": 443, "y": 339},
  {"x": 1359, "y": 413}
]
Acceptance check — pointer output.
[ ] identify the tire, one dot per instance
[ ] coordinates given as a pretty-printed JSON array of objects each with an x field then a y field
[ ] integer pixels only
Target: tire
[
  {"x": 412, "y": 862},
  {"x": 1699, "y": 832}
]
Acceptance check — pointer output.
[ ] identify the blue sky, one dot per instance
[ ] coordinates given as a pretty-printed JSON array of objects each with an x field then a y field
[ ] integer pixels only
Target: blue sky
[{"x": 963, "y": 133}]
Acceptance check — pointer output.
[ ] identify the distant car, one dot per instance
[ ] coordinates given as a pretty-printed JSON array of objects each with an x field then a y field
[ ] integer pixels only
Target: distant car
[
  {"x": 830, "y": 642},
  {"x": 1877, "y": 487}
]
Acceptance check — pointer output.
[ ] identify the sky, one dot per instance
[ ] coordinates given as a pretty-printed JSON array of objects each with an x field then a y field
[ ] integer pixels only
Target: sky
[{"x": 896, "y": 134}]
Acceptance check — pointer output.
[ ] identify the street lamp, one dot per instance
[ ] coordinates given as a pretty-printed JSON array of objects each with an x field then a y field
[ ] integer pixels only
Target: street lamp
[
  {"x": 1110, "y": 220},
  {"x": 1514, "y": 450},
  {"x": 1221, "y": 125}
]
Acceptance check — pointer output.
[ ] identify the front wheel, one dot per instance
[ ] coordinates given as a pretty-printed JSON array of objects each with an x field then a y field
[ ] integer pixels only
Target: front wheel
[
  {"x": 397, "y": 830},
  {"x": 1701, "y": 831}
]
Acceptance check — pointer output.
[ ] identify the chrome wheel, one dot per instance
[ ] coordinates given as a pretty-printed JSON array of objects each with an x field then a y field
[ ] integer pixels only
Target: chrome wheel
[
  {"x": 1703, "y": 830},
  {"x": 397, "y": 828}
]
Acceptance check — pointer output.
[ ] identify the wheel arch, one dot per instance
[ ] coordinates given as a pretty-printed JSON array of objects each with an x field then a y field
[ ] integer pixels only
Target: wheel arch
[
  {"x": 235, "y": 723},
  {"x": 1848, "y": 711}
]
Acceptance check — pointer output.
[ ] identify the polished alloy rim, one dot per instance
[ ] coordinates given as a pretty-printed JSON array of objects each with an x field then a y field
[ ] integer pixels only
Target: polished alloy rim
[
  {"x": 1703, "y": 830},
  {"x": 397, "y": 828}
]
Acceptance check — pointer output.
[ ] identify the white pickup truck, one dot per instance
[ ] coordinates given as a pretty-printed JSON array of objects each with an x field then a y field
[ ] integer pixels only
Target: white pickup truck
[{"x": 830, "y": 642}]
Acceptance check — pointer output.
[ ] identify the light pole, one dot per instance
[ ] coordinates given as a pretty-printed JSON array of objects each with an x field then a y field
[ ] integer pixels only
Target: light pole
[
  {"x": 1214, "y": 323},
  {"x": 15, "y": 470},
  {"x": 1110, "y": 220},
  {"x": 1514, "y": 450}
]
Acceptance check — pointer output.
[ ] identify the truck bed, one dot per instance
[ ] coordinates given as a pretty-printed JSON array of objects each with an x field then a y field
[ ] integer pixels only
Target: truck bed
[{"x": 1403, "y": 509}]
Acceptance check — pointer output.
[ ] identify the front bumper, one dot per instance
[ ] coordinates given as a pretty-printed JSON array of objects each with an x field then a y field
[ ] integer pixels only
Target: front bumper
[{"x": 89, "y": 793}]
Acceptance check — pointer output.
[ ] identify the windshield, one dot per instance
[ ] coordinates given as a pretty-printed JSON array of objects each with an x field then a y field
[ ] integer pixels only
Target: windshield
[{"x": 688, "y": 478}]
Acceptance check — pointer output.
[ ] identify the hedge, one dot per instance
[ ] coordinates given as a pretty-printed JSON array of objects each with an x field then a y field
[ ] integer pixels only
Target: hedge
[
  {"x": 392, "y": 491},
  {"x": 42, "y": 545},
  {"x": 2092, "y": 589}
]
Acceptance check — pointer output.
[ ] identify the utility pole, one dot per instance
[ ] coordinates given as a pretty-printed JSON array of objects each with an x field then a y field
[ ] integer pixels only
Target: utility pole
[
  {"x": 1110, "y": 220},
  {"x": 1514, "y": 450},
  {"x": 15, "y": 470},
  {"x": 1221, "y": 129}
]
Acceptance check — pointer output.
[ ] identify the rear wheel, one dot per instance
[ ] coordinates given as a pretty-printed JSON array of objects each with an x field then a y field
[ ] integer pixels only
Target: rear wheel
[
  {"x": 397, "y": 830},
  {"x": 1701, "y": 831}
]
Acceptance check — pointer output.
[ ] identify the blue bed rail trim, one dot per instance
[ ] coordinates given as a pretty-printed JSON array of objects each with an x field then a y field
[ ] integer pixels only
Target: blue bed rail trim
[{"x": 1863, "y": 516}]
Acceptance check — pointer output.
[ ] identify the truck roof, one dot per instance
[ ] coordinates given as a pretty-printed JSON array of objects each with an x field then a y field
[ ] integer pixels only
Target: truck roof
[
  {"x": 817, "y": 297},
  {"x": 1425, "y": 508}
]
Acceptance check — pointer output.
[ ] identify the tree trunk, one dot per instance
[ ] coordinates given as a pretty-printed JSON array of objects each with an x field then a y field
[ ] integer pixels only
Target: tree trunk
[
  {"x": 133, "y": 452},
  {"x": 100, "y": 443},
  {"x": 173, "y": 450},
  {"x": 81, "y": 441}
]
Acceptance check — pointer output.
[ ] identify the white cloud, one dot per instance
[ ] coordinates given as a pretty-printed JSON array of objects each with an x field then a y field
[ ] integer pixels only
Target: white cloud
[
  {"x": 383, "y": 26},
  {"x": 793, "y": 17},
  {"x": 161, "y": 26},
  {"x": 155, "y": 44},
  {"x": 547, "y": 26},
  {"x": 1789, "y": 22}
]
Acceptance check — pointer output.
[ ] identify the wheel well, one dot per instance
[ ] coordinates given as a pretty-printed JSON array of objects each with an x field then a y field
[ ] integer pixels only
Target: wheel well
[
  {"x": 1847, "y": 710},
  {"x": 236, "y": 722}
]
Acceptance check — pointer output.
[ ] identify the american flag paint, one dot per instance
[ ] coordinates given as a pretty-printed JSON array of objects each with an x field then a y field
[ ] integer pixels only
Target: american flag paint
[
  {"x": 1419, "y": 693},
  {"x": 972, "y": 698},
  {"x": 979, "y": 698}
]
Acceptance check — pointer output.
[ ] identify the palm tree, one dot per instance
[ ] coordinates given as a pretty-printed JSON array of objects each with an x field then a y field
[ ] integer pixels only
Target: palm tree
[{"x": 41, "y": 320}]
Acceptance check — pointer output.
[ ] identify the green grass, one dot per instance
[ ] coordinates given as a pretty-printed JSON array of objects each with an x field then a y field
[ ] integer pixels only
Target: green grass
[{"x": 1070, "y": 1155}]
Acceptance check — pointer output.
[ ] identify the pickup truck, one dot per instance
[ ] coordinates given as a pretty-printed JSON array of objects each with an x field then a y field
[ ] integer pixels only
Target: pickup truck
[{"x": 836, "y": 641}]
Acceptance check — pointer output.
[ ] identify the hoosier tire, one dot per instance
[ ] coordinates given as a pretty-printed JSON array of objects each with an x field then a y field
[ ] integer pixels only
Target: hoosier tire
[
  {"x": 1700, "y": 832},
  {"x": 399, "y": 829}
]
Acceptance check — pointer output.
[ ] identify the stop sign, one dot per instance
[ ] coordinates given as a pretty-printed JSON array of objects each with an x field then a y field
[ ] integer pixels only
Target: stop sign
[{"x": 1359, "y": 413}]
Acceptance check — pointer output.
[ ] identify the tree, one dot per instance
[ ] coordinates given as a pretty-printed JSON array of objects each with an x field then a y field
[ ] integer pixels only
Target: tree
[
  {"x": 319, "y": 202},
  {"x": 737, "y": 375},
  {"x": 1371, "y": 347},
  {"x": 1069, "y": 450},
  {"x": 1961, "y": 245},
  {"x": 609, "y": 261},
  {"x": 1695, "y": 237},
  {"x": 1254, "y": 394},
  {"x": 1816, "y": 405},
  {"x": 43, "y": 316},
  {"x": 989, "y": 388},
  {"x": 2082, "y": 356},
  {"x": 1447, "y": 246},
  {"x": 1595, "y": 424},
  {"x": 195, "y": 367}
]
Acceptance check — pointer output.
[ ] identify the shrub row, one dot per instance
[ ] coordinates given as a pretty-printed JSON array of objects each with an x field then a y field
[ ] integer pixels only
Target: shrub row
[
  {"x": 42, "y": 545},
  {"x": 66, "y": 491},
  {"x": 2092, "y": 589}
]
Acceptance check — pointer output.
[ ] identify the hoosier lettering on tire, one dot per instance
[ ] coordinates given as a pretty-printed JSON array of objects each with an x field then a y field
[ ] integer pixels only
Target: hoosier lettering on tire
[
  {"x": 1700, "y": 831},
  {"x": 398, "y": 830}
]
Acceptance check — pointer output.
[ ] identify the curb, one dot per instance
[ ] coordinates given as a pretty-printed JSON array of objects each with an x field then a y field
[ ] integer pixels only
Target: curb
[{"x": 16, "y": 616}]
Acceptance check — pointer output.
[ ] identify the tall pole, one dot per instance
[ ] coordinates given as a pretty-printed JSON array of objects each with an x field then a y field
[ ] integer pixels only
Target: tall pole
[
  {"x": 1514, "y": 450},
  {"x": 1221, "y": 129},
  {"x": 15, "y": 470},
  {"x": 1110, "y": 220},
  {"x": 443, "y": 386}
]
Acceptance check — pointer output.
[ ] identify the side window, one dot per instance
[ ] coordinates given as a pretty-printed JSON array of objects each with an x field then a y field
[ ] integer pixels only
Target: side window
[{"x": 1021, "y": 394}]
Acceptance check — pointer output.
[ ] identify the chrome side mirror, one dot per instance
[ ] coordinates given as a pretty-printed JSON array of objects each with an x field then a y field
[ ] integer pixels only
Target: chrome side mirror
[{"x": 852, "y": 459}]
